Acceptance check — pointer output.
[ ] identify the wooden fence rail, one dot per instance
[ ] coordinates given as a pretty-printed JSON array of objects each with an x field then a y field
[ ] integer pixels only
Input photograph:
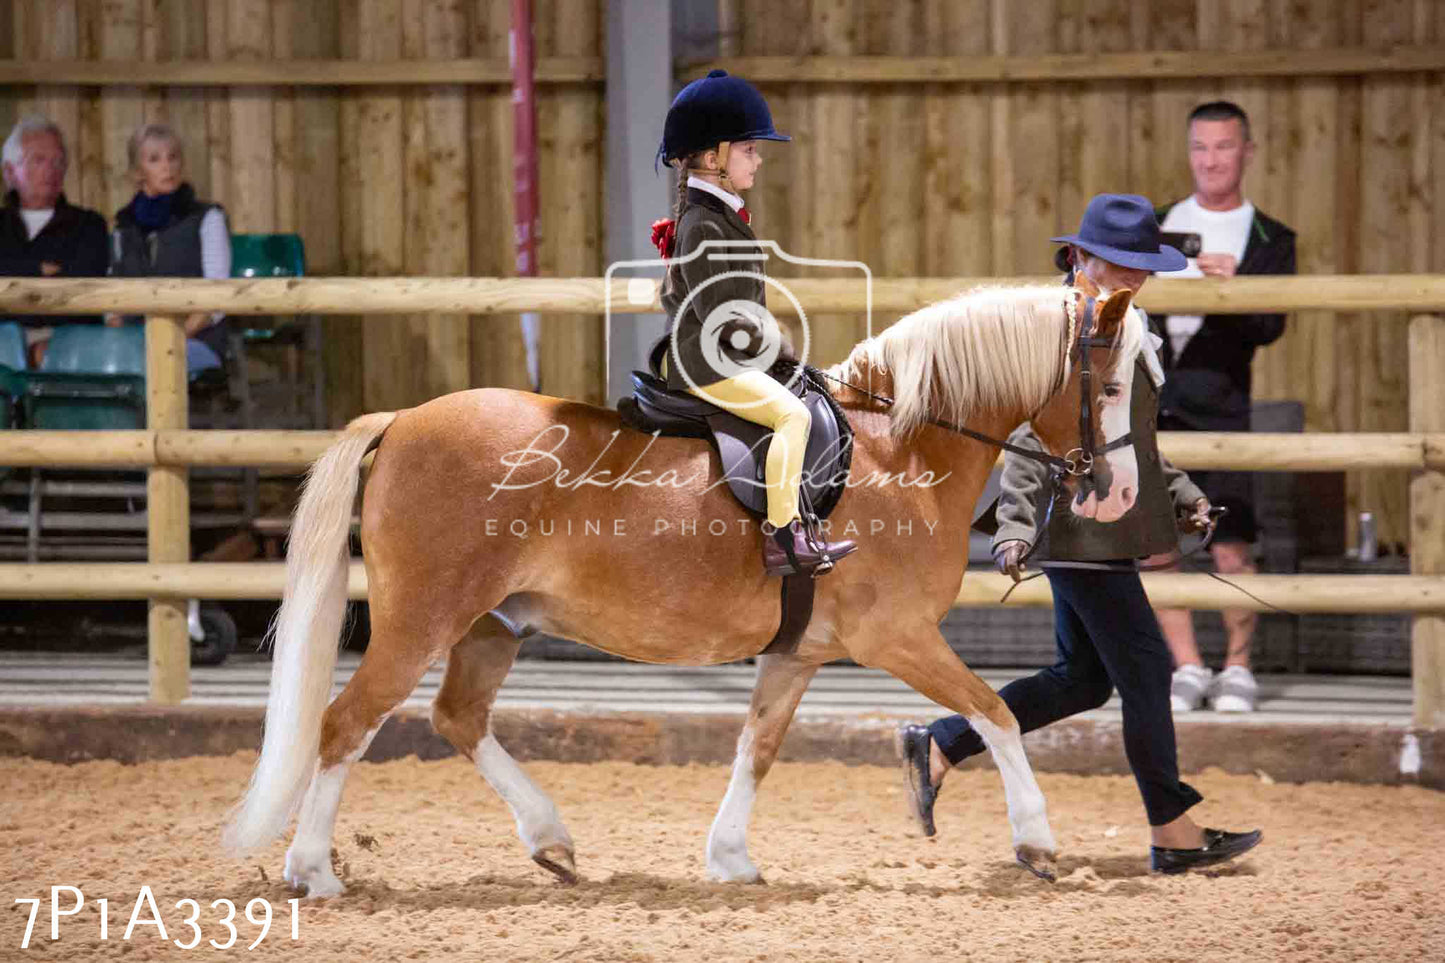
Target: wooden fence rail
[
  {"x": 1193, "y": 450},
  {"x": 265, "y": 580},
  {"x": 889, "y": 296},
  {"x": 166, "y": 449}
]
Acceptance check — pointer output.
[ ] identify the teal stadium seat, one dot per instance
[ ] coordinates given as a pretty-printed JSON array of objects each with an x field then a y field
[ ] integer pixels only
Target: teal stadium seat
[
  {"x": 93, "y": 377},
  {"x": 12, "y": 345},
  {"x": 12, "y": 389},
  {"x": 298, "y": 400},
  {"x": 97, "y": 349},
  {"x": 267, "y": 256},
  {"x": 12, "y": 361}
]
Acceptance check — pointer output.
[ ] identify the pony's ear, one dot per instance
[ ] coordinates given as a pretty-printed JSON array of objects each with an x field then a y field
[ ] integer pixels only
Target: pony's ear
[{"x": 1111, "y": 313}]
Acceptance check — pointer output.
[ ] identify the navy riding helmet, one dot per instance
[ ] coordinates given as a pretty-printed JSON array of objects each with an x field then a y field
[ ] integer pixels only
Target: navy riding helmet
[{"x": 711, "y": 110}]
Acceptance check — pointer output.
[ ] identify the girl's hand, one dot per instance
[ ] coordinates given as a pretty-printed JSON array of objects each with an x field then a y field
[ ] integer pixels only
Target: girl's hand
[{"x": 196, "y": 323}]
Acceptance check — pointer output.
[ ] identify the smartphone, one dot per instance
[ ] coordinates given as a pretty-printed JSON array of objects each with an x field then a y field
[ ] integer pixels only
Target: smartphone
[{"x": 1188, "y": 243}]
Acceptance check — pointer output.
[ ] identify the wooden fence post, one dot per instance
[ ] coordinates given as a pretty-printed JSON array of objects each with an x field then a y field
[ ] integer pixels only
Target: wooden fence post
[
  {"x": 168, "y": 508},
  {"x": 1427, "y": 516}
]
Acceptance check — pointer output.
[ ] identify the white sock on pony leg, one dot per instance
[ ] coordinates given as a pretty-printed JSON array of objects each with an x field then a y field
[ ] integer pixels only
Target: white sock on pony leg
[
  {"x": 308, "y": 859},
  {"x": 727, "y": 841},
  {"x": 1027, "y": 812},
  {"x": 538, "y": 823}
]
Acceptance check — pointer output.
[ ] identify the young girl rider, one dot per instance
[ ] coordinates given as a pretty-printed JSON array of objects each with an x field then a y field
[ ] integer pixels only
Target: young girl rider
[{"x": 720, "y": 337}]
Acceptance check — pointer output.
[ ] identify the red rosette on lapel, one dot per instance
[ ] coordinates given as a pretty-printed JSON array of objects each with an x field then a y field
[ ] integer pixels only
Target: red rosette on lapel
[{"x": 664, "y": 235}]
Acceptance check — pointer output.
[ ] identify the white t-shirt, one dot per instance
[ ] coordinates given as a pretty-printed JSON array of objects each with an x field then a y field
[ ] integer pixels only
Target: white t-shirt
[
  {"x": 1220, "y": 232},
  {"x": 36, "y": 220}
]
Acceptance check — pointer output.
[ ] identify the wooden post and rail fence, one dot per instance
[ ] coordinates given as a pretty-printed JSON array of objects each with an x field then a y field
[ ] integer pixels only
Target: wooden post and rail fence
[{"x": 166, "y": 449}]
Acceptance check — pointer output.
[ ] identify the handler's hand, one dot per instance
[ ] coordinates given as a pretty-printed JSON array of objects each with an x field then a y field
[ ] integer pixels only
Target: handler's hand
[
  {"x": 1217, "y": 265},
  {"x": 1199, "y": 521},
  {"x": 1009, "y": 558}
]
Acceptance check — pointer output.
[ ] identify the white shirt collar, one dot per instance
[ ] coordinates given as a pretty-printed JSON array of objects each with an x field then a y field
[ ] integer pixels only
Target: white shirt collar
[{"x": 727, "y": 197}]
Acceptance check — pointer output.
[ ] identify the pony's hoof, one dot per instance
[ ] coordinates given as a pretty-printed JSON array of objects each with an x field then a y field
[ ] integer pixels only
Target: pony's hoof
[
  {"x": 313, "y": 876},
  {"x": 316, "y": 885},
  {"x": 558, "y": 861},
  {"x": 733, "y": 869},
  {"x": 1039, "y": 862}
]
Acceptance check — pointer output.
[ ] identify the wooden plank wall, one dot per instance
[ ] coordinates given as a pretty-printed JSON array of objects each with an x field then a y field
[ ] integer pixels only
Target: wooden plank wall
[
  {"x": 966, "y": 180},
  {"x": 377, "y": 180}
]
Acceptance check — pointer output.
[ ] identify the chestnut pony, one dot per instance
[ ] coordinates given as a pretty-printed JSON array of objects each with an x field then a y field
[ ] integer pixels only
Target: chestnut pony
[{"x": 478, "y": 528}]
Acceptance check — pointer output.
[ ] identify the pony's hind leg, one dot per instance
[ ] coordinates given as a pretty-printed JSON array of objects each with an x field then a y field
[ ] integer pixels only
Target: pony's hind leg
[
  {"x": 386, "y": 676},
  {"x": 922, "y": 659},
  {"x": 781, "y": 682},
  {"x": 462, "y": 715}
]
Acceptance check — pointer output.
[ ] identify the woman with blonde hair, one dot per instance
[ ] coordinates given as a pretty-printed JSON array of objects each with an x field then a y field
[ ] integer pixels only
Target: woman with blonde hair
[{"x": 166, "y": 232}]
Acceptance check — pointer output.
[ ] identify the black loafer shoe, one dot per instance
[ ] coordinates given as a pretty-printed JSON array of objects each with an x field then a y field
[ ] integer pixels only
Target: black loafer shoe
[
  {"x": 1219, "y": 846},
  {"x": 915, "y": 746}
]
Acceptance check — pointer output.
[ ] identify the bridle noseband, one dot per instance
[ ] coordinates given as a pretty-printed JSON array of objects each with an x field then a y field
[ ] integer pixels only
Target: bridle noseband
[{"x": 1087, "y": 453}]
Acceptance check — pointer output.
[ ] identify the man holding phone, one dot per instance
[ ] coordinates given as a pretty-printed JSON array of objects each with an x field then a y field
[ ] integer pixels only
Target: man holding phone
[{"x": 1208, "y": 386}]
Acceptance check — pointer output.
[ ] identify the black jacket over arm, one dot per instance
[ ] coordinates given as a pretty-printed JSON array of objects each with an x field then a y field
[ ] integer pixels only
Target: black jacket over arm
[
  {"x": 1209, "y": 385},
  {"x": 75, "y": 238}
]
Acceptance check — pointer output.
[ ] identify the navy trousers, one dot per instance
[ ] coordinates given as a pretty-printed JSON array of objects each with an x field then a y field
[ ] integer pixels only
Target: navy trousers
[{"x": 1107, "y": 638}]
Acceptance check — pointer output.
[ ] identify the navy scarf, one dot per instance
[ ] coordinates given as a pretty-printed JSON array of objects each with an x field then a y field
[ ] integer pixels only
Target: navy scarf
[{"x": 153, "y": 213}]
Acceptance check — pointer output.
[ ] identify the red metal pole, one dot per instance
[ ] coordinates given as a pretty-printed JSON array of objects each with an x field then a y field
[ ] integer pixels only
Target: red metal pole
[{"x": 524, "y": 169}]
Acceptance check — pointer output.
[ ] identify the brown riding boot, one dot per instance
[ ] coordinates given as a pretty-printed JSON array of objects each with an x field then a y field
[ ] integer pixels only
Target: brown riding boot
[{"x": 790, "y": 551}]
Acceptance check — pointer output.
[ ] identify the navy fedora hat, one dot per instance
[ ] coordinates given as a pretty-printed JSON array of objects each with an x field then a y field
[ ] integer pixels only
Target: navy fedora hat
[{"x": 1122, "y": 229}]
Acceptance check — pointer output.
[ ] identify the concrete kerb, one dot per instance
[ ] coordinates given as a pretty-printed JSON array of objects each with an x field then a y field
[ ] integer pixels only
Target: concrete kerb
[{"x": 1377, "y": 754}]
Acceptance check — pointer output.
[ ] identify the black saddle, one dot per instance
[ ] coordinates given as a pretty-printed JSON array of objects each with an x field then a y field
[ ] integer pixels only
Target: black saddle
[{"x": 743, "y": 446}]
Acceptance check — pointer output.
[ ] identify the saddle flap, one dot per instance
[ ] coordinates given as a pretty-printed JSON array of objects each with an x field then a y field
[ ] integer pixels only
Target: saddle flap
[{"x": 743, "y": 446}]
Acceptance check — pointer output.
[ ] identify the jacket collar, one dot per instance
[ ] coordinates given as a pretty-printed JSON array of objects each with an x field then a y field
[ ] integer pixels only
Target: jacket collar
[
  {"x": 184, "y": 205},
  {"x": 712, "y": 202},
  {"x": 695, "y": 183},
  {"x": 14, "y": 223}
]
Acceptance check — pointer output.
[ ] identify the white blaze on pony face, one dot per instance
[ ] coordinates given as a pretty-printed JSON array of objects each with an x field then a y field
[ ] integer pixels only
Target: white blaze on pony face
[{"x": 1112, "y": 405}]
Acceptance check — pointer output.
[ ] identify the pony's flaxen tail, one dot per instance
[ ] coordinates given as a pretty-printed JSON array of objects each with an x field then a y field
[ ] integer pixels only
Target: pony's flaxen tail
[{"x": 306, "y": 635}]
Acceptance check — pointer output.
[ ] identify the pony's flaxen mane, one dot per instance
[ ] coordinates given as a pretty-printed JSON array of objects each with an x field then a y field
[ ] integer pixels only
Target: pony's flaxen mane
[{"x": 988, "y": 348}]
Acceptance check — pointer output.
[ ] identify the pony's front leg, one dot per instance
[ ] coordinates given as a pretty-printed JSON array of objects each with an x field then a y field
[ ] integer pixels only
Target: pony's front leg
[
  {"x": 923, "y": 660},
  {"x": 782, "y": 680}
]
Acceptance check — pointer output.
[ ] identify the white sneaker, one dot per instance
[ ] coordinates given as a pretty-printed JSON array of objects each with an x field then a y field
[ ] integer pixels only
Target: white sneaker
[
  {"x": 1235, "y": 690},
  {"x": 1187, "y": 690}
]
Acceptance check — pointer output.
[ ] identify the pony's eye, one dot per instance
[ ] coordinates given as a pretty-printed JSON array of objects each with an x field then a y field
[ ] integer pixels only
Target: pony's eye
[{"x": 1113, "y": 390}]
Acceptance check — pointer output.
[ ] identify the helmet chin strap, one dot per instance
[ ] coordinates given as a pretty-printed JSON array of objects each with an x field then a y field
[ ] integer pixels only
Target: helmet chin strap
[{"x": 721, "y": 173}]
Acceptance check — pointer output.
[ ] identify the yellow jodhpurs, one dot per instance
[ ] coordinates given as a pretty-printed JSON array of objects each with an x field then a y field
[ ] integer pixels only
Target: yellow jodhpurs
[{"x": 755, "y": 397}]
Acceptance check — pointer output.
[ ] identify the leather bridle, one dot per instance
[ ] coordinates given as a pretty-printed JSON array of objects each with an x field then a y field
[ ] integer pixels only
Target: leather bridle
[{"x": 1087, "y": 453}]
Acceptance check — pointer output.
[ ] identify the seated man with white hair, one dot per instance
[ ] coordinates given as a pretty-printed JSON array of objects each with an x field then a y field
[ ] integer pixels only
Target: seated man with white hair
[{"x": 41, "y": 234}]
